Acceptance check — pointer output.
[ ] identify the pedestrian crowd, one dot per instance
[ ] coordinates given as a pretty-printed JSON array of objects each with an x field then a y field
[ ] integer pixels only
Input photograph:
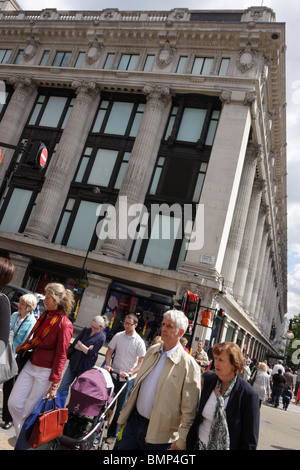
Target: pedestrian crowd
[
  {"x": 273, "y": 383},
  {"x": 168, "y": 397}
]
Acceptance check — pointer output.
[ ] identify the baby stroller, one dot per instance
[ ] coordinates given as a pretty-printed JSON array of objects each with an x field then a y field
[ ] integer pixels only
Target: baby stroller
[{"x": 91, "y": 397}]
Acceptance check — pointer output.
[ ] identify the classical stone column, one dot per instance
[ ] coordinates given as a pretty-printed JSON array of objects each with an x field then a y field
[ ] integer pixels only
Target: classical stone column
[
  {"x": 21, "y": 264},
  {"x": 258, "y": 274},
  {"x": 263, "y": 284},
  {"x": 220, "y": 188},
  {"x": 224, "y": 330},
  {"x": 140, "y": 167},
  {"x": 93, "y": 299},
  {"x": 236, "y": 333},
  {"x": 63, "y": 166},
  {"x": 247, "y": 243},
  {"x": 264, "y": 313},
  {"x": 244, "y": 333},
  {"x": 254, "y": 257},
  {"x": 239, "y": 217},
  {"x": 15, "y": 116}
]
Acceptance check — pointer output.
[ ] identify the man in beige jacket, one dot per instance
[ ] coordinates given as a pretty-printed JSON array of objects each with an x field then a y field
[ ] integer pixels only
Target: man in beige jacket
[{"x": 163, "y": 403}]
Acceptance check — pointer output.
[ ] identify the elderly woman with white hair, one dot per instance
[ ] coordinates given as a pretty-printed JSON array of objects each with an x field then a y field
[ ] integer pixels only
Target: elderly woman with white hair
[
  {"x": 22, "y": 322},
  {"x": 85, "y": 351}
]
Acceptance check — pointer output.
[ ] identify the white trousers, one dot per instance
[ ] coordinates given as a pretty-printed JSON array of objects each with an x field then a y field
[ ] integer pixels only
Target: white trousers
[{"x": 29, "y": 389}]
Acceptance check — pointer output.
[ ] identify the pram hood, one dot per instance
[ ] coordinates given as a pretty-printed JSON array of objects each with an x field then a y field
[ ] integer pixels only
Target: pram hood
[{"x": 90, "y": 392}]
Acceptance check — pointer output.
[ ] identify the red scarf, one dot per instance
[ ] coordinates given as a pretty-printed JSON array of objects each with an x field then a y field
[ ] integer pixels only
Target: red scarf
[{"x": 39, "y": 333}]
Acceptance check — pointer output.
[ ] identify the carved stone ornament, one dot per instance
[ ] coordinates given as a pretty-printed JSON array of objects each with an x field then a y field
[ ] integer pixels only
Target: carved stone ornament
[
  {"x": 165, "y": 55},
  {"x": 246, "y": 59},
  {"x": 30, "y": 50},
  {"x": 93, "y": 52},
  {"x": 225, "y": 96},
  {"x": 85, "y": 87}
]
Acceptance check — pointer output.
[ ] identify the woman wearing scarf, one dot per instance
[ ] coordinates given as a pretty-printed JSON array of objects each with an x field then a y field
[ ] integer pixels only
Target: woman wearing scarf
[
  {"x": 228, "y": 414},
  {"x": 48, "y": 341}
]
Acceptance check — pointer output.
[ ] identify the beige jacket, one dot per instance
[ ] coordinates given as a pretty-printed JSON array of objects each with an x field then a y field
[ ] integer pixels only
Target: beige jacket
[{"x": 176, "y": 398}]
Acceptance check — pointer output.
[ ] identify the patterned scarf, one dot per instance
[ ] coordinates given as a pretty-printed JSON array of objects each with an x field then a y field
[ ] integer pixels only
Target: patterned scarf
[
  {"x": 218, "y": 438},
  {"x": 37, "y": 333}
]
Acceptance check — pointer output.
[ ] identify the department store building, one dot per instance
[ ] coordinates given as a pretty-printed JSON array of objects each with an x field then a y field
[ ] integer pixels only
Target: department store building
[{"x": 166, "y": 168}]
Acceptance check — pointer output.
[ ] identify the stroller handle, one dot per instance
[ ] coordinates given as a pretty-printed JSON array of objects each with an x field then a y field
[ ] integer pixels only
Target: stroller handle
[{"x": 117, "y": 374}]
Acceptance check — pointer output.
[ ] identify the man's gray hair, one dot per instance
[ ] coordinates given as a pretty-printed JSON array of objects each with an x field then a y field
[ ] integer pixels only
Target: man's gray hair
[{"x": 178, "y": 317}]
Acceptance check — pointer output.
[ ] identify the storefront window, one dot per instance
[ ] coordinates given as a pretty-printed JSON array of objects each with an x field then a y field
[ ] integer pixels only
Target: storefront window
[{"x": 148, "y": 306}]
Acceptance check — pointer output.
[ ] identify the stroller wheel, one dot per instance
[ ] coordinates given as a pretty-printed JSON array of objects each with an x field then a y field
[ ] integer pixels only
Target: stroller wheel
[
  {"x": 53, "y": 445},
  {"x": 105, "y": 446}
]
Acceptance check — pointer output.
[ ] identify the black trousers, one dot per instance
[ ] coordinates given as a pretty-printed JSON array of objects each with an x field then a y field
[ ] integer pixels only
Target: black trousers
[{"x": 7, "y": 388}]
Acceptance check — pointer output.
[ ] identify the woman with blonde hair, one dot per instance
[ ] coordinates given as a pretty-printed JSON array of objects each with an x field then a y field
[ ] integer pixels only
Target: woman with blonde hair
[
  {"x": 48, "y": 342},
  {"x": 261, "y": 382}
]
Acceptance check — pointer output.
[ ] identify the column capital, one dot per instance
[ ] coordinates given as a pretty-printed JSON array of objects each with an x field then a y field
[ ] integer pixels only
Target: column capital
[
  {"x": 159, "y": 93},
  {"x": 260, "y": 184},
  {"x": 225, "y": 96},
  {"x": 23, "y": 82},
  {"x": 250, "y": 98},
  {"x": 86, "y": 87}
]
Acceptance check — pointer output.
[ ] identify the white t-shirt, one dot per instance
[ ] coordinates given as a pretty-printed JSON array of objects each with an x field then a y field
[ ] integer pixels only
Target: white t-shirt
[
  {"x": 208, "y": 414},
  {"x": 146, "y": 396},
  {"x": 276, "y": 369},
  {"x": 127, "y": 351}
]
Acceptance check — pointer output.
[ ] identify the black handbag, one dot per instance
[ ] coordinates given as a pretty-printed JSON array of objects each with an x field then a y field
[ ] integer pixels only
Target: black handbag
[
  {"x": 70, "y": 351},
  {"x": 22, "y": 358}
]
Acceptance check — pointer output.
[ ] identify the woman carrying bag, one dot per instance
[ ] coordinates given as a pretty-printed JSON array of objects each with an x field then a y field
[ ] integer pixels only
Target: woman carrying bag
[
  {"x": 48, "y": 341},
  {"x": 22, "y": 323}
]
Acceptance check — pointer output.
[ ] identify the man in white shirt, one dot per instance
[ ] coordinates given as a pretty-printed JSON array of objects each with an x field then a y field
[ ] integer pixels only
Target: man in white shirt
[
  {"x": 277, "y": 367},
  {"x": 129, "y": 351}
]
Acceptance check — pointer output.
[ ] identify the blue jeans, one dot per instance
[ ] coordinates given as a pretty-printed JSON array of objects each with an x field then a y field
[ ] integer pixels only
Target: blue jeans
[
  {"x": 134, "y": 434},
  {"x": 276, "y": 394},
  {"x": 67, "y": 380}
]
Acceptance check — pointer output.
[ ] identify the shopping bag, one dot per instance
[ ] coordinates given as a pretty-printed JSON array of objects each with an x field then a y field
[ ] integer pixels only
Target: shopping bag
[
  {"x": 24, "y": 436},
  {"x": 48, "y": 426},
  {"x": 8, "y": 364}
]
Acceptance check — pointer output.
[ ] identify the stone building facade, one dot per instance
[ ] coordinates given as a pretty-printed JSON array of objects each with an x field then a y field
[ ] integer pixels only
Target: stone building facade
[{"x": 166, "y": 169}]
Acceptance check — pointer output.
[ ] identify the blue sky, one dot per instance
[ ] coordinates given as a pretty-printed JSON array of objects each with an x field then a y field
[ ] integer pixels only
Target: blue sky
[{"x": 286, "y": 12}]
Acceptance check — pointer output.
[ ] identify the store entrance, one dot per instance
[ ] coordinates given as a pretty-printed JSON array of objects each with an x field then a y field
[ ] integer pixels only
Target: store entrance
[{"x": 148, "y": 306}]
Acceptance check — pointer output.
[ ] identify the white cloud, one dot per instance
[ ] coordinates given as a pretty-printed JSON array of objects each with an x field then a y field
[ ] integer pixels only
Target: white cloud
[{"x": 294, "y": 289}]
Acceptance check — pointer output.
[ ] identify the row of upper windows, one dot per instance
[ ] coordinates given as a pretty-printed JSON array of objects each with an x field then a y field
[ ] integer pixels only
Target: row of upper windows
[{"x": 129, "y": 62}]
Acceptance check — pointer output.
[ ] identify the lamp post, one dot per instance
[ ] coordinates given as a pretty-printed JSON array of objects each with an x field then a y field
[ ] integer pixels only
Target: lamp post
[{"x": 289, "y": 334}]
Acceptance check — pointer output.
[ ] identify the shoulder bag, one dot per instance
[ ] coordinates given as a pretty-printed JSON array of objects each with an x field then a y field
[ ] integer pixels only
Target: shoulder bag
[
  {"x": 8, "y": 364},
  {"x": 48, "y": 426},
  {"x": 253, "y": 377},
  {"x": 70, "y": 351}
]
